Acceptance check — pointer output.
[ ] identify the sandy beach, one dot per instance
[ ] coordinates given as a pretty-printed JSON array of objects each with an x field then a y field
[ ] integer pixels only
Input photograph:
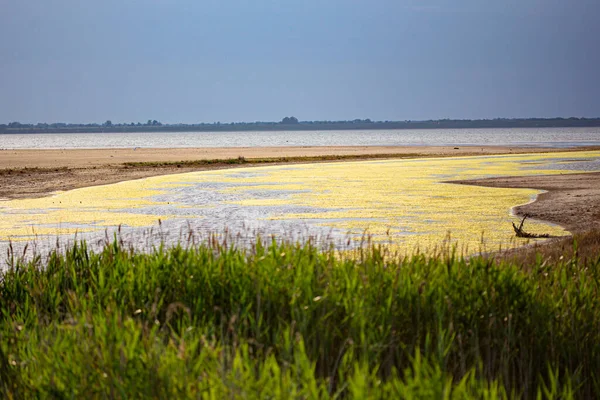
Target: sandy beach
[
  {"x": 572, "y": 201},
  {"x": 82, "y": 158}
]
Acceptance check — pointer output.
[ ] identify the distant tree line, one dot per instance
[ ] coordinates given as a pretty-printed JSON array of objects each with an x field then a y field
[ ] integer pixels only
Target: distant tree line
[
  {"x": 62, "y": 125},
  {"x": 293, "y": 124}
]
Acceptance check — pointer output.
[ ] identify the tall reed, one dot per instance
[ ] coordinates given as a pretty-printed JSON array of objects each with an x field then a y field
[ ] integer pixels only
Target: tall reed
[{"x": 288, "y": 320}]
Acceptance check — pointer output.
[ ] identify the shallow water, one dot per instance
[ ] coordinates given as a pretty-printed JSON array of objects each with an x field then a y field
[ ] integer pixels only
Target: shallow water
[
  {"x": 397, "y": 201},
  {"x": 546, "y": 137}
]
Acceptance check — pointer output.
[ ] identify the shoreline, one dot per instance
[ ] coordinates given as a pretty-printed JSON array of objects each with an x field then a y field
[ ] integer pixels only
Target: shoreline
[
  {"x": 83, "y": 158},
  {"x": 571, "y": 201}
]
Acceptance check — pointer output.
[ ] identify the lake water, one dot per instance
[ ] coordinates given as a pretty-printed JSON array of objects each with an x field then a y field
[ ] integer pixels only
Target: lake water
[{"x": 546, "y": 137}]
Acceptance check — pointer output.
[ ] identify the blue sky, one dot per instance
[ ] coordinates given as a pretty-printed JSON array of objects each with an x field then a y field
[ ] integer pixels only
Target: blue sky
[{"x": 233, "y": 60}]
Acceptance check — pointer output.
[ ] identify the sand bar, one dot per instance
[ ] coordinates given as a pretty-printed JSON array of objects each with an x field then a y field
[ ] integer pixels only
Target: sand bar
[{"x": 82, "y": 158}]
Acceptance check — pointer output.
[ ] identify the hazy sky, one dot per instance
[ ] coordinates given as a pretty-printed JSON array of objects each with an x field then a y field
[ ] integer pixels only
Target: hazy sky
[{"x": 258, "y": 60}]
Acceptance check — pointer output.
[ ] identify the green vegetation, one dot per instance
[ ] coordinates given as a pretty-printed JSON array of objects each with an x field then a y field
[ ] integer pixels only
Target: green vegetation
[
  {"x": 269, "y": 160},
  {"x": 29, "y": 170},
  {"x": 294, "y": 321}
]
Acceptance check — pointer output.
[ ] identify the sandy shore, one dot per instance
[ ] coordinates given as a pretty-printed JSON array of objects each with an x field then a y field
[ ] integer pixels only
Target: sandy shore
[{"x": 82, "y": 158}]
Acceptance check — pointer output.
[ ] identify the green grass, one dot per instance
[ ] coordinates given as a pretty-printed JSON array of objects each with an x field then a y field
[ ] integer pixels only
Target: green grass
[{"x": 292, "y": 321}]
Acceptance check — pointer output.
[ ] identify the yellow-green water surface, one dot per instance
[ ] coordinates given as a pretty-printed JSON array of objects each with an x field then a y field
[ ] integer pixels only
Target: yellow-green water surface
[{"x": 400, "y": 200}]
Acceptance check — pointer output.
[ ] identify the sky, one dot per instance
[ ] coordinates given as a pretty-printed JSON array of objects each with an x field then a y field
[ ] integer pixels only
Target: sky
[{"x": 261, "y": 60}]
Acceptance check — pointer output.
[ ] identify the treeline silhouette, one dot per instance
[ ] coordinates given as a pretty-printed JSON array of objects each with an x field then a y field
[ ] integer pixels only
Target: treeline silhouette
[{"x": 293, "y": 124}]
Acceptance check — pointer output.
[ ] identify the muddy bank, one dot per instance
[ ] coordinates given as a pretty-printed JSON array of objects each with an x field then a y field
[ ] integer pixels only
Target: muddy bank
[{"x": 571, "y": 200}]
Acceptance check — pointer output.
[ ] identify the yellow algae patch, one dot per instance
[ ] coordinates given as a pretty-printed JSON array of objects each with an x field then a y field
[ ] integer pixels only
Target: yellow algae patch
[
  {"x": 79, "y": 210},
  {"x": 405, "y": 200},
  {"x": 131, "y": 194},
  {"x": 400, "y": 200}
]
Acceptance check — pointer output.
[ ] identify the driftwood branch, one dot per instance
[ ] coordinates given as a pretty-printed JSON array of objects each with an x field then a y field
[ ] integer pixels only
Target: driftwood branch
[{"x": 521, "y": 233}]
